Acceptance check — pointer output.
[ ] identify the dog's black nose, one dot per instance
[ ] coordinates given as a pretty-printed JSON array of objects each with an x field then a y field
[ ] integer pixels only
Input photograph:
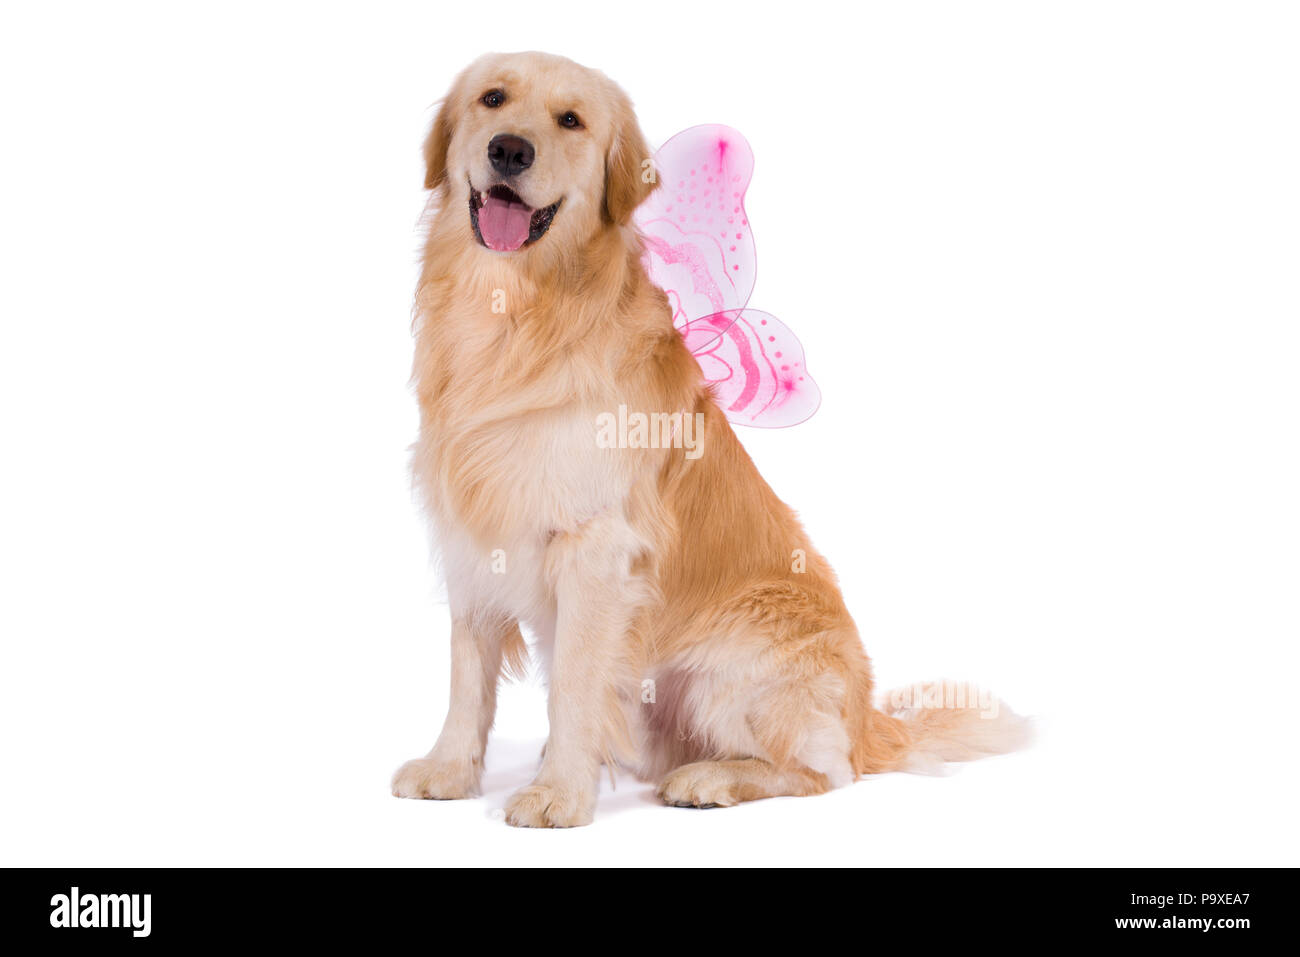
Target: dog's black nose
[{"x": 510, "y": 155}]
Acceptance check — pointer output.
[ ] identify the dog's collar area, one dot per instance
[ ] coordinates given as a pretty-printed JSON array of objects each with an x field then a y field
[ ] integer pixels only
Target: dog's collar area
[{"x": 503, "y": 222}]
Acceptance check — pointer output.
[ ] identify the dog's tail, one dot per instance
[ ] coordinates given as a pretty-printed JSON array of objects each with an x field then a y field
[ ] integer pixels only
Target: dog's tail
[{"x": 919, "y": 727}]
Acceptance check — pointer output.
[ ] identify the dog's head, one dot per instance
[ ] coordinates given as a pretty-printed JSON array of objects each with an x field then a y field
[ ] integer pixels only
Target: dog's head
[{"x": 536, "y": 149}]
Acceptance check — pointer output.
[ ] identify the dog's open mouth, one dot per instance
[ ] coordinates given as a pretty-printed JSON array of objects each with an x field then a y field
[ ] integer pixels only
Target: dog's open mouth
[{"x": 504, "y": 222}]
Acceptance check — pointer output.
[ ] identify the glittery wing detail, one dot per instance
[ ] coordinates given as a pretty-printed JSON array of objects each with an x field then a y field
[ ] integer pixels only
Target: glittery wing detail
[
  {"x": 755, "y": 366},
  {"x": 699, "y": 249},
  {"x": 698, "y": 245}
]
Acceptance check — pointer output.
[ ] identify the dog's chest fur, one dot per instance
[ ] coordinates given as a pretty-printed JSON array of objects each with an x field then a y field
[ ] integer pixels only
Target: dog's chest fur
[{"x": 508, "y": 458}]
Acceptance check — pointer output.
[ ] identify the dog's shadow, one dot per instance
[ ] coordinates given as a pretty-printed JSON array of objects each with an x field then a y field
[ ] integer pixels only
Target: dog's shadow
[{"x": 510, "y": 763}]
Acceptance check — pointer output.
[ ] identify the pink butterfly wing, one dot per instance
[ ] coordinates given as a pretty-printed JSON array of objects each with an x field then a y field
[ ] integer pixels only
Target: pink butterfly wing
[
  {"x": 698, "y": 244},
  {"x": 699, "y": 249},
  {"x": 755, "y": 366}
]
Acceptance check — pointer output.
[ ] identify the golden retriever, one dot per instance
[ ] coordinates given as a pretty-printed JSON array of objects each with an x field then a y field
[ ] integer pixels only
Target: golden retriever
[{"x": 679, "y": 636}]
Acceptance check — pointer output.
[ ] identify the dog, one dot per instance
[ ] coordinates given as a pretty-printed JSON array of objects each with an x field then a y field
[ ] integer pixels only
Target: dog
[{"x": 679, "y": 638}]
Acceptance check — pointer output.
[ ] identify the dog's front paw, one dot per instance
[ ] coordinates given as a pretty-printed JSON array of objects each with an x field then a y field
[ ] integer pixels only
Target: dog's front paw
[
  {"x": 435, "y": 779},
  {"x": 540, "y": 805}
]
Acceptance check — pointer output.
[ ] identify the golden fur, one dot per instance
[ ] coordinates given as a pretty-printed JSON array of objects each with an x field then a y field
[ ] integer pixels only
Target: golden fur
[{"x": 643, "y": 573}]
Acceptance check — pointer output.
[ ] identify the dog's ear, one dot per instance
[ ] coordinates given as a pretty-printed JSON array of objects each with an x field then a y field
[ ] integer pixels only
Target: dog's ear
[
  {"x": 629, "y": 175},
  {"x": 436, "y": 145}
]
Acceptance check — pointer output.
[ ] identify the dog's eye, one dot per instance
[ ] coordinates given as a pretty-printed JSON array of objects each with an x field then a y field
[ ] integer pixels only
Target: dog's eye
[
  {"x": 570, "y": 120},
  {"x": 493, "y": 98}
]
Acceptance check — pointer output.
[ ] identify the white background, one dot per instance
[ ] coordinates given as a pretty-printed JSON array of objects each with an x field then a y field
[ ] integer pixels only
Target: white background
[{"x": 1043, "y": 260}]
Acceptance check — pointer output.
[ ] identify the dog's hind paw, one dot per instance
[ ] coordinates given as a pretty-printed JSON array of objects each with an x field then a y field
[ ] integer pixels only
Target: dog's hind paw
[{"x": 698, "y": 785}]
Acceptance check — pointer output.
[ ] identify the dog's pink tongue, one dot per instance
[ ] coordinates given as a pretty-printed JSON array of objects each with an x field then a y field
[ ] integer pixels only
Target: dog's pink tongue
[{"x": 503, "y": 224}]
